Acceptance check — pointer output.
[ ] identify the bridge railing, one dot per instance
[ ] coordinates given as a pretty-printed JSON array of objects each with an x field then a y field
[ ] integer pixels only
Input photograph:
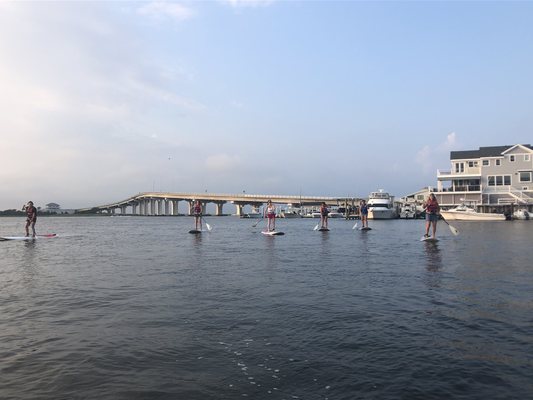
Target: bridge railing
[{"x": 214, "y": 197}]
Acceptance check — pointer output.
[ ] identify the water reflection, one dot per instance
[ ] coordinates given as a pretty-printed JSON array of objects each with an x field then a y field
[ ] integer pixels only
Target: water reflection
[
  {"x": 325, "y": 248},
  {"x": 433, "y": 264},
  {"x": 433, "y": 256}
]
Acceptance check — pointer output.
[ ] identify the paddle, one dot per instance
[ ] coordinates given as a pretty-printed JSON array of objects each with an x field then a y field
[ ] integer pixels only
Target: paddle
[
  {"x": 209, "y": 228},
  {"x": 454, "y": 230},
  {"x": 355, "y": 226},
  {"x": 316, "y": 227}
]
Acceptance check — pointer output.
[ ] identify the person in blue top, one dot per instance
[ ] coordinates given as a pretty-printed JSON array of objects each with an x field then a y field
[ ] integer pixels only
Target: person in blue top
[
  {"x": 363, "y": 213},
  {"x": 324, "y": 216}
]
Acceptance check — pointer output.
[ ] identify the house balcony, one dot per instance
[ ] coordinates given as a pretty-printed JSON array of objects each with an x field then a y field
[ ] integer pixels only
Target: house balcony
[{"x": 469, "y": 173}]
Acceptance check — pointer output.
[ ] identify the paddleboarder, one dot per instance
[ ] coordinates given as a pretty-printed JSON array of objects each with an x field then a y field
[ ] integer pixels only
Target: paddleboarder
[
  {"x": 324, "y": 216},
  {"x": 31, "y": 217},
  {"x": 363, "y": 213},
  {"x": 270, "y": 213},
  {"x": 197, "y": 212},
  {"x": 432, "y": 208}
]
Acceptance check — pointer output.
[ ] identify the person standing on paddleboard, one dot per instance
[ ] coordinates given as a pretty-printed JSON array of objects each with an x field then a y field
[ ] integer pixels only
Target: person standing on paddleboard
[
  {"x": 270, "y": 213},
  {"x": 324, "y": 216},
  {"x": 432, "y": 214},
  {"x": 197, "y": 212},
  {"x": 363, "y": 213},
  {"x": 31, "y": 217}
]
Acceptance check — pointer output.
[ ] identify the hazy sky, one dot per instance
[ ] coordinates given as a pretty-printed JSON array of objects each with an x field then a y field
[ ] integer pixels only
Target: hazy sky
[{"x": 102, "y": 100}]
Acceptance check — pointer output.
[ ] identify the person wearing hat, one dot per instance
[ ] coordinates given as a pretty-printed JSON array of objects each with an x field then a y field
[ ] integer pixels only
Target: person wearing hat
[{"x": 31, "y": 217}]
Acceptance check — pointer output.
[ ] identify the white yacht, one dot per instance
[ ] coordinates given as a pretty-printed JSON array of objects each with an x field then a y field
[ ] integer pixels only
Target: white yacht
[
  {"x": 464, "y": 213},
  {"x": 381, "y": 206}
]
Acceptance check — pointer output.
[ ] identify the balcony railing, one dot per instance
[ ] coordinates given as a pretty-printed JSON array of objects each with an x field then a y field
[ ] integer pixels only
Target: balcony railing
[
  {"x": 465, "y": 188},
  {"x": 467, "y": 171}
]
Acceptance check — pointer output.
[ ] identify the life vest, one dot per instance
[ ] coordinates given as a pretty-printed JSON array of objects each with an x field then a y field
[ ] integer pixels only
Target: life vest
[
  {"x": 31, "y": 213},
  {"x": 432, "y": 206}
]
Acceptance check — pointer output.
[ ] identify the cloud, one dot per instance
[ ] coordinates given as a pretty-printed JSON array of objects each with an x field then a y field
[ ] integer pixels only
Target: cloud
[
  {"x": 222, "y": 162},
  {"x": 248, "y": 3},
  {"x": 450, "y": 143},
  {"x": 431, "y": 158},
  {"x": 162, "y": 9},
  {"x": 423, "y": 158}
]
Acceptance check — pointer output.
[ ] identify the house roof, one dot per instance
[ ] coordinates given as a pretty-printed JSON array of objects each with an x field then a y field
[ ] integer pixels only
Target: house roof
[{"x": 492, "y": 151}]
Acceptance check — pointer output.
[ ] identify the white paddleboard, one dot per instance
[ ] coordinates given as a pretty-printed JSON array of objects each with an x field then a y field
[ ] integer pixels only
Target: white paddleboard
[
  {"x": 47, "y": 236},
  {"x": 273, "y": 233},
  {"x": 428, "y": 239}
]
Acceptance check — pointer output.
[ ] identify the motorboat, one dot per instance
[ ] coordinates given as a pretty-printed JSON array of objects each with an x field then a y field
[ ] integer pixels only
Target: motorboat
[
  {"x": 255, "y": 213},
  {"x": 290, "y": 212},
  {"x": 411, "y": 211},
  {"x": 522, "y": 214},
  {"x": 381, "y": 206},
  {"x": 465, "y": 213},
  {"x": 335, "y": 214}
]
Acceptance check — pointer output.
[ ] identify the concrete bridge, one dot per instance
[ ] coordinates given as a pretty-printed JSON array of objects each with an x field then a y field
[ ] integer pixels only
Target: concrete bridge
[{"x": 160, "y": 203}]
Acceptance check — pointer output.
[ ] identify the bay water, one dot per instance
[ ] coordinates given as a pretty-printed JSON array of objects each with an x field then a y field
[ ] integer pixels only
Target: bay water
[{"x": 138, "y": 308}]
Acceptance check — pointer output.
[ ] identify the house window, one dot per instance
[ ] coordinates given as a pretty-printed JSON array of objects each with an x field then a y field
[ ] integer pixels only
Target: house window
[
  {"x": 507, "y": 180},
  {"x": 498, "y": 162},
  {"x": 499, "y": 180},
  {"x": 459, "y": 168},
  {"x": 472, "y": 164},
  {"x": 527, "y": 157},
  {"x": 486, "y": 163},
  {"x": 511, "y": 158},
  {"x": 525, "y": 176}
]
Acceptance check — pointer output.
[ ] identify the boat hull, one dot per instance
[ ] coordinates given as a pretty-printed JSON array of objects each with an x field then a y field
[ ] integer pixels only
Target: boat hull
[
  {"x": 381, "y": 213},
  {"x": 452, "y": 215}
]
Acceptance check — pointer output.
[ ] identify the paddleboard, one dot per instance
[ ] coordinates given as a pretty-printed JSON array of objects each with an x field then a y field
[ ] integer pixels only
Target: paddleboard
[
  {"x": 366, "y": 228},
  {"x": 323, "y": 230},
  {"x": 428, "y": 239},
  {"x": 273, "y": 233},
  {"x": 195, "y": 232},
  {"x": 46, "y": 236}
]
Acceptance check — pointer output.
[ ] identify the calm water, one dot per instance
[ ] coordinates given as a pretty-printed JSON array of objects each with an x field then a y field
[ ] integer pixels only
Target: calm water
[{"x": 137, "y": 308}]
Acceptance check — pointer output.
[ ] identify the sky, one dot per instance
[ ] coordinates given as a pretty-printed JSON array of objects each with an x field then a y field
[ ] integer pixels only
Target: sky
[{"x": 102, "y": 100}]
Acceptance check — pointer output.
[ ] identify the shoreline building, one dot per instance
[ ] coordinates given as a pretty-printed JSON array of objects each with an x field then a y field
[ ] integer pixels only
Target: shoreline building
[{"x": 494, "y": 179}]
